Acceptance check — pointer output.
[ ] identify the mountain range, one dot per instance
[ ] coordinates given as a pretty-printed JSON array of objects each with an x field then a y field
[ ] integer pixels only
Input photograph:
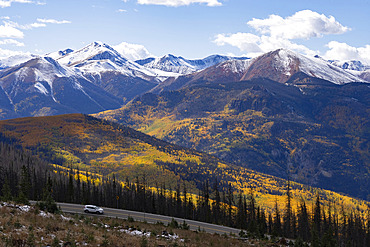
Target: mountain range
[
  {"x": 281, "y": 113},
  {"x": 279, "y": 66},
  {"x": 171, "y": 63},
  {"x": 97, "y": 77}
]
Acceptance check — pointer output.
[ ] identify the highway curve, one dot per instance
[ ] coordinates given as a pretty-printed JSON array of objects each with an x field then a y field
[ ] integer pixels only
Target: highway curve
[{"x": 150, "y": 218}]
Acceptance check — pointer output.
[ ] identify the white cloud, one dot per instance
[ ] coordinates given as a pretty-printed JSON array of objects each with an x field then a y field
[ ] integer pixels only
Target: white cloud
[
  {"x": 4, "y": 53},
  {"x": 26, "y": 26},
  {"x": 122, "y": 10},
  {"x": 8, "y": 3},
  {"x": 277, "y": 32},
  {"x": 304, "y": 24},
  {"x": 343, "y": 51},
  {"x": 40, "y": 23},
  {"x": 132, "y": 51},
  {"x": 52, "y": 21},
  {"x": 36, "y": 24},
  {"x": 176, "y": 3},
  {"x": 11, "y": 42},
  {"x": 244, "y": 41},
  {"x": 254, "y": 45},
  {"x": 7, "y": 31}
]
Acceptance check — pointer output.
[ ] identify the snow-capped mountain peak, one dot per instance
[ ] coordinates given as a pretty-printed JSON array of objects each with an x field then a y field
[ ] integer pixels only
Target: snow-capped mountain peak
[
  {"x": 58, "y": 54},
  {"x": 171, "y": 63},
  {"x": 281, "y": 64},
  {"x": 93, "y": 51},
  {"x": 15, "y": 60},
  {"x": 350, "y": 65}
]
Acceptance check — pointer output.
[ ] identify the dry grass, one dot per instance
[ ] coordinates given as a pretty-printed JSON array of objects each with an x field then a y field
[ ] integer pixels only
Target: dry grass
[{"x": 35, "y": 228}]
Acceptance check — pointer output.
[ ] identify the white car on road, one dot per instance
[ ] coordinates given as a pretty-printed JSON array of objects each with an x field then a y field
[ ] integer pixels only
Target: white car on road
[{"x": 93, "y": 209}]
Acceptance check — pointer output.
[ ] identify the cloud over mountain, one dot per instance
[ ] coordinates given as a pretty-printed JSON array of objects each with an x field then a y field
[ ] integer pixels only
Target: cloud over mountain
[
  {"x": 303, "y": 24},
  {"x": 343, "y": 51},
  {"x": 132, "y": 51},
  {"x": 275, "y": 32}
]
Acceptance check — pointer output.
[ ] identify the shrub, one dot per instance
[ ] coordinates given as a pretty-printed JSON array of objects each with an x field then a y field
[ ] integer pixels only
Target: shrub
[{"x": 173, "y": 224}]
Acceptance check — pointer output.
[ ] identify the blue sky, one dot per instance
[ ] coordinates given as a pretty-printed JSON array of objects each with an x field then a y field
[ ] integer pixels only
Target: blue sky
[{"x": 191, "y": 28}]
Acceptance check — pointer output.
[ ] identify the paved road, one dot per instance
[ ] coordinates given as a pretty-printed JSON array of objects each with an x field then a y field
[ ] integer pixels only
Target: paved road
[{"x": 151, "y": 218}]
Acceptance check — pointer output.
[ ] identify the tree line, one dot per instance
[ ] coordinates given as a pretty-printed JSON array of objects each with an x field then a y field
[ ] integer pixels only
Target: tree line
[{"x": 24, "y": 177}]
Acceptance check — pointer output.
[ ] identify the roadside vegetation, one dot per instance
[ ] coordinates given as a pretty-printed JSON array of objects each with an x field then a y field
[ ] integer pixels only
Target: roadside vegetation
[{"x": 29, "y": 226}]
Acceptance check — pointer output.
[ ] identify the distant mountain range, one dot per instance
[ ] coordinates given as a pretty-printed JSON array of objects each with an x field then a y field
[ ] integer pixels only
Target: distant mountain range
[
  {"x": 171, "y": 63},
  {"x": 279, "y": 66},
  {"x": 98, "y": 78}
]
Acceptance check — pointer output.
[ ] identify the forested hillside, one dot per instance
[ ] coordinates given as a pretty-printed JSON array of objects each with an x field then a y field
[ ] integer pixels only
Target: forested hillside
[
  {"x": 310, "y": 130},
  {"x": 105, "y": 149},
  {"x": 24, "y": 177}
]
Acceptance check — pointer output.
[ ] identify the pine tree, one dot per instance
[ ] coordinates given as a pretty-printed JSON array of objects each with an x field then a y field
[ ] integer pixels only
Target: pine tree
[
  {"x": 185, "y": 204},
  {"x": 368, "y": 226},
  {"x": 24, "y": 186},
  {"x": 276, "y": 231},
  {"x": 251, "y": 213},
  {"x": 240, "y": 215},
  {"x": 206, "y": 205},
  {"x": 216, "y": 206},
  {"x": 7, "y": 194},
  {"x": 70, "y": 190},
  {"x": 78, "y": 187},
  {"x": 261, "y": 224},
  {"x": 230, "y": 202},
  {"x": 287, "y": 226},
  {"x": 178, "y": 201},
  {"x": 317, "y": 216},
  {"x": 316, "y": 224},
  {"x": 270, "y": 225}
]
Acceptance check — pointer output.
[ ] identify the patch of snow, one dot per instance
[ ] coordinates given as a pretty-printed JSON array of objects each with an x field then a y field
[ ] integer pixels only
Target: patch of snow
[
  {"x": 135, "y": 232},
  {"x": 284, "y": 61},
  {"x": 58, "y": 54},
  {"x": 169, "y": 236},
  {"x": 44, "y": 214},
  {"x": 236, "y": 66},
  {"x": 25, "y": 208},
  {"x": 41, "y": 88},
  {"x": 65, "y": 218}
]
